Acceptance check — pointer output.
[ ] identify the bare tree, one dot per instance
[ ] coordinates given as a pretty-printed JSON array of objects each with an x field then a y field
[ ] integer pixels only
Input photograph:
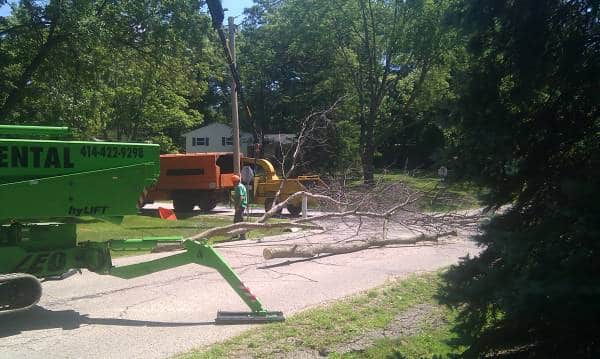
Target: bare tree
[{"x": 312, "y": 130}]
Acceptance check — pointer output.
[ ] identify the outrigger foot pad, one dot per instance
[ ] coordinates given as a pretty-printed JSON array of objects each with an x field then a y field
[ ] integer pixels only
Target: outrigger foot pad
[{"x": 248, "y": 317}]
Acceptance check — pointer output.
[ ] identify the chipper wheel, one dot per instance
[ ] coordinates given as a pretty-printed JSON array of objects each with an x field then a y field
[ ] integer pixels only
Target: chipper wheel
[
  {"x": 269, "y": 205},
  {"x": 294, "y": 209},
  {"x": 207, "y": 204},
  {"x": 18, "y": 291},
  {"x": 183, "y": 204}
]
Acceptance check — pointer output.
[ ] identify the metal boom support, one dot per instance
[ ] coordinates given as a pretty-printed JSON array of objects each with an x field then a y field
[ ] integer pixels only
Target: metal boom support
[{"x": 202, "y": 254}]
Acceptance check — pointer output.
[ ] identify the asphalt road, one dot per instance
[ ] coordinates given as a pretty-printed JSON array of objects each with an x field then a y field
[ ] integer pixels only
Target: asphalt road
[{"x": 159, "y": 315}]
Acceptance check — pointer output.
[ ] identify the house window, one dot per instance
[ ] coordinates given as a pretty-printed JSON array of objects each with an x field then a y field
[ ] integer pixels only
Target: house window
[
  {"x": 227, "y": 141},
  {"x": 200, "y": 141}
]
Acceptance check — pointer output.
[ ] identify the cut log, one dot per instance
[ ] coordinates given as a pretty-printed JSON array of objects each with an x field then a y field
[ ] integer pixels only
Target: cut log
[{"x": 307, "y": 250}]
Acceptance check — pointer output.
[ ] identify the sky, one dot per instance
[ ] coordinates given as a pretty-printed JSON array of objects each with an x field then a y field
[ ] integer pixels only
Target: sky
[
  {"x": 4, "y": 10},
  {"x": 235, "y": 8}
]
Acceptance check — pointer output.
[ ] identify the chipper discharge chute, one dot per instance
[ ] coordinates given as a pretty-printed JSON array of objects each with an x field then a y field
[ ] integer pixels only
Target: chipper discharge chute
[{"x": 45, "y": 183}]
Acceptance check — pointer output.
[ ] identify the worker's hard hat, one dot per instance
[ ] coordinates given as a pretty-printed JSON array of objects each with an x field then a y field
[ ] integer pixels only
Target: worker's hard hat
[{"x": 235, "y": 178}]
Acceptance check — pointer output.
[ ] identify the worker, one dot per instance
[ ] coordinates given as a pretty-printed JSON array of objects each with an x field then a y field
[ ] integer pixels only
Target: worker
[
  {"x": 240, "y": 201},
  {"x": 247, "y": 175},
  {"x": 248, "y": 178}
]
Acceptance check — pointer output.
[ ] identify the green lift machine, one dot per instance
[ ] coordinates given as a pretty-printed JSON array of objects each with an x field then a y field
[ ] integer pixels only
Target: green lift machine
[{"x": 47, "y": 180}]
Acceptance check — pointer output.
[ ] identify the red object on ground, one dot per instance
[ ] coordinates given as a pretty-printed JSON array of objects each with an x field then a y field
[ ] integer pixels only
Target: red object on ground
[{"x": 167, "y": 214}]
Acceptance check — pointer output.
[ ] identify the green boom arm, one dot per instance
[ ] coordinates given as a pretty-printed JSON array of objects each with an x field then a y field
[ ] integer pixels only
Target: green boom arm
[
  {"x": 95, "y": 256},
  {"x": 196, "y": 252}
]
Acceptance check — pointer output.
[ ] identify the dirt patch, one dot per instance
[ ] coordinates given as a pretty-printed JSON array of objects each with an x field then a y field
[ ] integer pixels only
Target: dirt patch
[
  {"x": 303, "y": 354},
  {"x": 414, "y": 320},
  {"x": 408, "y": 323}
]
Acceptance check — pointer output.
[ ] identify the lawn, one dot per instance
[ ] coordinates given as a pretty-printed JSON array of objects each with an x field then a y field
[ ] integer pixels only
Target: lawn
[
  {"x": 401, "y": 319},
  {"x": 439, "y": 195},
  {"x": 143, "y": 226}
]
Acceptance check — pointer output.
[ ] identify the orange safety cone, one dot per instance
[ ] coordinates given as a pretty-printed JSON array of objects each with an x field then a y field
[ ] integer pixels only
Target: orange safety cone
[{"x": 167, "y": 214}]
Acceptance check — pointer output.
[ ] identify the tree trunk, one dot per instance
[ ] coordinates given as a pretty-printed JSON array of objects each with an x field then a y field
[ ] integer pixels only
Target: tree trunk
[
  {"x": 367, "y": 163},
  {"x": 369, "y": 146},
  {"x": 16, "y": 95},
  {"x": 307, "y": 250}
]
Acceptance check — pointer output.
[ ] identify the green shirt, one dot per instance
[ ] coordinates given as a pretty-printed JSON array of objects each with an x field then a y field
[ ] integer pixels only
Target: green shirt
[{"x": 240, "y": 196}]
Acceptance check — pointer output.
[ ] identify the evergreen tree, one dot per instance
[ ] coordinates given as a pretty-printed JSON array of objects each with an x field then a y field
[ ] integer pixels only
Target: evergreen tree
[{"x": 528, "y": 128}]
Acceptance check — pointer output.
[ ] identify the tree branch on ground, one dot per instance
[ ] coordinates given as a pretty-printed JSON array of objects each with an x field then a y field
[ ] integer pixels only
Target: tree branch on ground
[
  {"x": 278, "y": 207},
  {"x": 309, "y": 250},
  {"x": 356, "y": 222}
]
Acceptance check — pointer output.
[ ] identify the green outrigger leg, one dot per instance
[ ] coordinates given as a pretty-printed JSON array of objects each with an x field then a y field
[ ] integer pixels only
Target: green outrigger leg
[{"x": 202, "y": 254}]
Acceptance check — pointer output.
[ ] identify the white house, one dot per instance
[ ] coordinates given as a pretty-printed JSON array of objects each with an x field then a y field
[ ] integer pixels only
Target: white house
[
  {"x": 215, "y": 137},
  {"x": 280, "y": 138}
]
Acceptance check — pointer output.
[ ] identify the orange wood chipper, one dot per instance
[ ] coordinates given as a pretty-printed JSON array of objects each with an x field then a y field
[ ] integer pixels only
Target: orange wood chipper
[{"x": 204, "y": 179}]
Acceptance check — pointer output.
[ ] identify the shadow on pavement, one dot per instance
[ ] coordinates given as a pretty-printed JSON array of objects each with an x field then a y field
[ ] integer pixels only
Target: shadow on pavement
[{"x": 39, "y": 318}]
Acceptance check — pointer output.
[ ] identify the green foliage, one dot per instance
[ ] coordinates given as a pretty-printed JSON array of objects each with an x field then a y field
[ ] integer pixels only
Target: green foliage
[
  {"x": 128, "y": 70},
  {"x": 151, "y": 70},
  {"x": 289, "y": 72},
  {"x": 527, "y": 127},
  {"x": 388, "y": 60}
]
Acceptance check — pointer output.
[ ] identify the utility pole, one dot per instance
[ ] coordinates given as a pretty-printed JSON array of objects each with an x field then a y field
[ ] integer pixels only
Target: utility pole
[{"x": 234, "y": 102}]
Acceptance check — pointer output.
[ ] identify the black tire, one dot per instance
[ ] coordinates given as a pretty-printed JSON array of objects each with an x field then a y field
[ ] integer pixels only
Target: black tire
[
  {"x": 293, "y": 209},
  {"x": 269, "y": 205},
  {"x": 207, "y": 204},
  {"x": 18, "y": 291},
  {"x": 182, "y": 205}
]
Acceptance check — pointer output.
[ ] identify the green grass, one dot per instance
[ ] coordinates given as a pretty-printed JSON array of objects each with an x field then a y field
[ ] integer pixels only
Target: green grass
[
  {"x": 432, "y": 343},
  {"x": 143, "y": 226},
  {"x": 322, "y": 328},
  {"x": 440, "y": 195},
  {"x": 95, "y": 230}
]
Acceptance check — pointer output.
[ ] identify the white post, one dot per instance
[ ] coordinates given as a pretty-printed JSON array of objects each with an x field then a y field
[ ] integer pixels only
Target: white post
[{"x": 304, "y": 206}]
